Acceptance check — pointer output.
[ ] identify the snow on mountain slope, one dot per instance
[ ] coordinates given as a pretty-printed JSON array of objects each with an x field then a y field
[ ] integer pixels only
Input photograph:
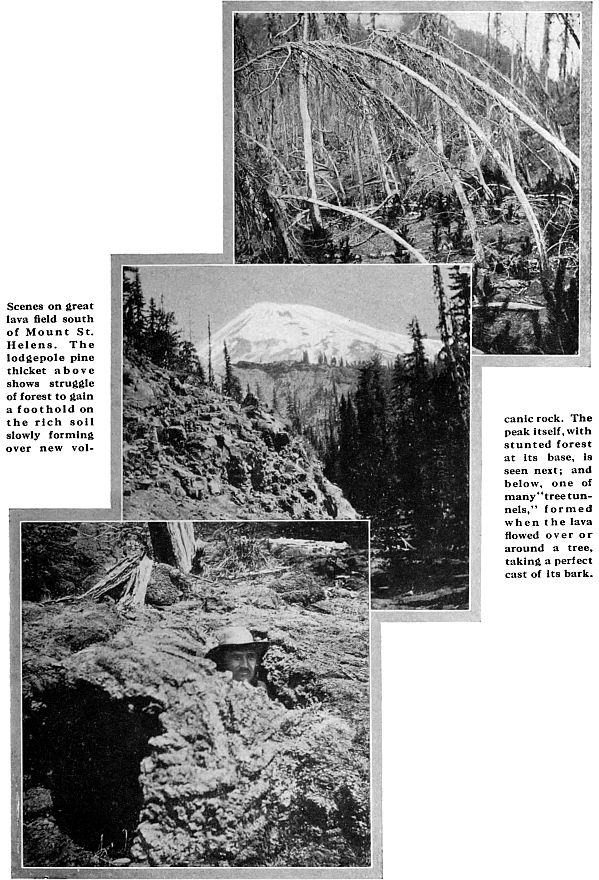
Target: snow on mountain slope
[{"x": 268, "y": 332}]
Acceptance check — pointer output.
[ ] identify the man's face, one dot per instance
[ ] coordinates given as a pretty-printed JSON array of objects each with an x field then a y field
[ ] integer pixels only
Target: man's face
[{"x": 241, "y": 662}]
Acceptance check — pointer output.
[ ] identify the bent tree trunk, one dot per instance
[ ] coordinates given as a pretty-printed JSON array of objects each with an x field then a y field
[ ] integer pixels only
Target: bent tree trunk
[
  {"x": 458, "y": 186},
  {"x": 378, "y": 155},
  {"x": 450, "y": 171},
  {"x": 420, "y": 258},
  {"x": 555, "y": 142},
  {"x": 476, "y": 163},
  {"x": 477, "y": 130},
  {"x": 307, "y": 133}
]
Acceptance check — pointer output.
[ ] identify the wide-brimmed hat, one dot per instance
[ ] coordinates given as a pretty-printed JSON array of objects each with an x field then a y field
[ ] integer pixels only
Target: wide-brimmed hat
[{"x": 237, "y": 638}]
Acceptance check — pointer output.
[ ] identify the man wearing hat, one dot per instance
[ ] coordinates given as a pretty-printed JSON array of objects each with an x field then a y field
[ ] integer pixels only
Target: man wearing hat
[{"x": 239, "y": 653}]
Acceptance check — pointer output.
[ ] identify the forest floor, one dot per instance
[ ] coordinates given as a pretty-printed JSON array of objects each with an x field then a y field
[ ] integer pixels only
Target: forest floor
[
  {"x": 422, "y": 585},
  {"x": 505, "y": 237},
  {"x": 517, "y": 307},
  {"x": 502, "y": 240}
]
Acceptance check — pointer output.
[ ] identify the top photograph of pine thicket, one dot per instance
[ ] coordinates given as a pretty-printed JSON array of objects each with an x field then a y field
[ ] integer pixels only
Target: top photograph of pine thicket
[{"x": 419, "y": 137}]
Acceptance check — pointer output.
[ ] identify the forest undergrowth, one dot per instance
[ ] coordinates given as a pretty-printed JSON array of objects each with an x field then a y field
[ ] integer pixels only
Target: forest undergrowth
[{"x": 421, "y": 142}]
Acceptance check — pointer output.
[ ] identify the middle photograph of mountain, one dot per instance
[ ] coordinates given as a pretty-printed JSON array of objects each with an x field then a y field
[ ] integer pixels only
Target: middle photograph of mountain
[{"x": 308, "y": 393}]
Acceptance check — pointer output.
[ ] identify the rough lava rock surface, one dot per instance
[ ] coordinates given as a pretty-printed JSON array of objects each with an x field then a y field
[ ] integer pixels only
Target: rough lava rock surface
[
  {"x": 135, "y": 746},
  {"x": 189, "y": 452}
]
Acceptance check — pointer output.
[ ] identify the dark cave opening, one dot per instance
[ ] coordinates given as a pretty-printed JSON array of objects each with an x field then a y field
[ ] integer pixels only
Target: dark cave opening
[{"x": 86, "y": 748}]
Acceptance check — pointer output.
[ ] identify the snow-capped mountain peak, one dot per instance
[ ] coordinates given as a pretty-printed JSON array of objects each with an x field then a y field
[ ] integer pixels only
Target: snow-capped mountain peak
[{"x": 269, "y": 332}]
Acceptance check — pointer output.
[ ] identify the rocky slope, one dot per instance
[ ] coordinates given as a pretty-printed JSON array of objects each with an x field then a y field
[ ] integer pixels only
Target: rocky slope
[
  {"x": 138, "y": 752},
  {"x": 189, "y": 452},
  {"x": 313, "y": 388}
]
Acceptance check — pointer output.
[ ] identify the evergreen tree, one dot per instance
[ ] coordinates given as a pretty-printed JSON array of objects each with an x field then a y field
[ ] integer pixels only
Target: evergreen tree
[
  {"x": 348, "y": 446},
  {"x": 152, "y": 323},
  {"x": 417, "y": 432},
  {"x": 210, "y": 369},
  {"x": 133, "y": 308},
  {"x": 371, "y": 417},
  {"x": 454, "y": 327},
  {"x": 188, "y": 362},
  {"x": 294, "y": 412},
  {"x": 231, "y": 384},
  {"x": 162, "y": 339}
]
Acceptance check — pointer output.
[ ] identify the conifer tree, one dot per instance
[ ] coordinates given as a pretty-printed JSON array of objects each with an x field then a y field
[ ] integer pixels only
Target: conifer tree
[
  {"x": 210, "y": 369},
  {"x": 161, "y": 339},
  {"x": 133, "y": 307},
  {"x": 231, "y": 384},
  {"x": 454, "y": 330},
  {"x": 188, "y": 362}
]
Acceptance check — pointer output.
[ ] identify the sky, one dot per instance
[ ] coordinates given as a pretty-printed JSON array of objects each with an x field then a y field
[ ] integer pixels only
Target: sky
[
  {"x": 385, "y": 296},
  {"x": 512, "y": 31}
]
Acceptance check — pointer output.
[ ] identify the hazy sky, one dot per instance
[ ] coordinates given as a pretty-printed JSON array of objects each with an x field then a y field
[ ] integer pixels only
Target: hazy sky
[
  {"x": 512, "y": 31},
  {"x": 384, "y": 296}
]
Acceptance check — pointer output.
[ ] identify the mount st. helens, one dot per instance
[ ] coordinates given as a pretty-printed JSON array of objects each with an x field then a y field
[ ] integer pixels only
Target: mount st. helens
[
  {"x": 269, "y": 332},
  {"x": 301, "y": 359}
]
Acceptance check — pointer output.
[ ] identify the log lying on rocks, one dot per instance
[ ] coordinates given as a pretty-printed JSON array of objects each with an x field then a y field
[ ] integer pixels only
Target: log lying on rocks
[
  {"x": 259, "y": 573},
  {"x": 296, "y": 548},
  {"x": 445, "y": 597}
]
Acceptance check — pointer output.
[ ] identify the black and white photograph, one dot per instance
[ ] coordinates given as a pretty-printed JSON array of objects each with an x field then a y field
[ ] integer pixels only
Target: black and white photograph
[
  {"x": 254, "y": 392},
  {"x": 196, "y": 694},
  {"x": 298, "y": 379},
  {"x": 454, "y": 136}
]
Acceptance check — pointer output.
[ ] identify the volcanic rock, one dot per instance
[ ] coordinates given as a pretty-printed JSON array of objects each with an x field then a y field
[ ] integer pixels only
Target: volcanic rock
[
  {"x": 136, "y": 747},
  {"x": 189, "y": 452}
]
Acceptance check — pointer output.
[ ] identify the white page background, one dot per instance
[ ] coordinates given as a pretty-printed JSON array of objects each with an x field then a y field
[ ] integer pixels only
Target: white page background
[{"x": 112, "y": 140}]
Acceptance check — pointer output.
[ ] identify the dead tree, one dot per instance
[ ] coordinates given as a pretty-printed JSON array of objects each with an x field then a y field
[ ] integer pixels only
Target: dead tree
[
  {"x": 126, "y": 582},
  {"x": 307, "y": 130},
  {"x": 173, "y": 543}
]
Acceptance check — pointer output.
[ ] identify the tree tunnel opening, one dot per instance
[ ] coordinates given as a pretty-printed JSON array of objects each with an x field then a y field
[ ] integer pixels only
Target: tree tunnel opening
[{"x": 86, "y": 748}]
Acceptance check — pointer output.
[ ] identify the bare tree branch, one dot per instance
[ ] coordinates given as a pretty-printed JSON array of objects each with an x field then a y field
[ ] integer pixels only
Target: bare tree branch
[
  {"x": 420, "y": 258},
  {"x": 493, "y": 93}
]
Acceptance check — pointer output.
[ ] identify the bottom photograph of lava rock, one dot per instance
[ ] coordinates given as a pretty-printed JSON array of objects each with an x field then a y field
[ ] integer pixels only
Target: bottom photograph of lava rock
[{"x": 195, "y": 694}]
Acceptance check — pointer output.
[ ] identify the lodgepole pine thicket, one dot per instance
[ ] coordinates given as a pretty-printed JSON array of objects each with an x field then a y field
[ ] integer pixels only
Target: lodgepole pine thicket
[{"x": 420, "y": 142}]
